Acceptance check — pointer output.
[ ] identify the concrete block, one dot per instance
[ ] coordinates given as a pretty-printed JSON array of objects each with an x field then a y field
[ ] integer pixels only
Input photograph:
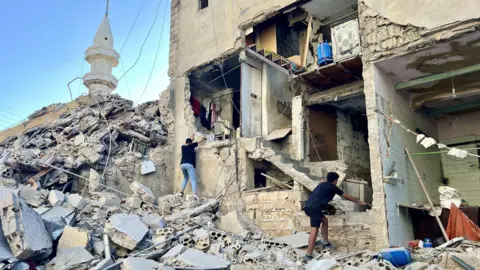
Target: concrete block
[
  {"x": 95, "y": 181},
  {"x": 79, "y": 139},
  {"x": 31, "y": 196},
  {"x": 125, "y": 230},
  {"x": 251, "y": 198},
  {"x": 108, "y": 198},
  {"x": 144, "y": 192},
  {"x": 77, "y": 201},
  {"x": 90, "y": 154},
  {"x": 268, "y": 196},
  {"x": 147, "y": 167},
  {"x": 277, "y": 206},
  {"x": 252, "y": 206},
  {"x": 73, "y": 237},
  {"x": 328, "y": 264},
  {"x": 133, "y": 202},
  {"x": 358, "y": 218},
  {"x": 174, "y": 252},
  {"x": 70, "y": 259},
  {"x": 154, "y": 221},
  {"x": 56, "y": 197},
  {"x": 56, "y": 218},
  {"x": 134, "y": 263},
  {"x": 24, "y": 229},
  {"x": 297, "y": 240},
  {"x": 199, "y": 259}
]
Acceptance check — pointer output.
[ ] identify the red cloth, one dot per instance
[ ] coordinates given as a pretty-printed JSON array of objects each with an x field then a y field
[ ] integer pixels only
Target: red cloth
[
  {"x": 459, "y": 225},
  {"x": 195, "y": 105}
]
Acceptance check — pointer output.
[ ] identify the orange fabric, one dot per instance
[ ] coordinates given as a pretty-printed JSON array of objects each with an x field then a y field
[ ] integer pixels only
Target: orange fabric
[{"x": 459, "y": 225}]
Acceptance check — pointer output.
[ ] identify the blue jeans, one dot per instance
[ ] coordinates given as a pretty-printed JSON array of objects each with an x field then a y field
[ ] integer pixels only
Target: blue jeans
[{"x": 189, "y": 172}]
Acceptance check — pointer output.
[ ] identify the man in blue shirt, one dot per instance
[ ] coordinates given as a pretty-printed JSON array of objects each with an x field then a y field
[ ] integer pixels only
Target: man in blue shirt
[
  {"x": 316, "y": 203},
  {"x": 187, "y": 164}
]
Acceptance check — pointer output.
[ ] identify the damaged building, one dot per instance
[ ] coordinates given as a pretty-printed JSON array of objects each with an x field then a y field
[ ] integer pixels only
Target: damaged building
[{"x": 286, "y": 91}]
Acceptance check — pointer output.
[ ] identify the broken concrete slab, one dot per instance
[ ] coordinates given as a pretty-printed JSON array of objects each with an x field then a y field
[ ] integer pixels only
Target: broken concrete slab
[
  {"x": 135, "y": 263},
  {"x": 90, "y": 154},
  {"x": 56, "y": 218},
  {"x": 77, "y": 201},
  {"x": 199, "y": 259},
  {"x": 297, "y": 240},
  {"x": 56, "y": 197},
  {"x": 174, "y": 252},
  {"x": 126, "y": 230},
  {"x": 103, "y": 264},
  {"x": 328, "y": 264},
  {"x": 108, "y": 198},
  {"x": 154, "y": 221},
  {"x": 5, "y": 251},
  {"x": 24, "y": 229},
  {"x": 147, "y": 167},
  {"x": 133, "y": 202},
  {"x": 73, "y": 237},
  {"x": 32, "y": 196},
  {"x": 70, "y": 259},
  {"x": 79, "y": 139},
  {"x": 207, "y": 206},
  {"x": 95, "y": 181},
  {"x": 144, "y": 192}
]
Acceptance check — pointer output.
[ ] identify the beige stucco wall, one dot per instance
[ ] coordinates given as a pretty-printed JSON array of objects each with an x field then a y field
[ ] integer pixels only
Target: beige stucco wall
[{"x": 198, "y": 31}]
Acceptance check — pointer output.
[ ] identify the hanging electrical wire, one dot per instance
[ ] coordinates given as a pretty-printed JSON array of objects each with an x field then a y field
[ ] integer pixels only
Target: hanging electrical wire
[
  {"x": 144, "y": 42},
  {"x": 156, "y": 54}
]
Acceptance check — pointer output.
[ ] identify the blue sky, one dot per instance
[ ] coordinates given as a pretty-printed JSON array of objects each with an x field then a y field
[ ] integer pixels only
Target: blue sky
[{"x": 42, "y": 47}]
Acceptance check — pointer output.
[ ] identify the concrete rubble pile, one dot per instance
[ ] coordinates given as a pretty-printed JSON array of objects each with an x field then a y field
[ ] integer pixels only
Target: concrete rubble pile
[
  {"x": 104, "y": 131},
  {"x": 101, "y": 230}
]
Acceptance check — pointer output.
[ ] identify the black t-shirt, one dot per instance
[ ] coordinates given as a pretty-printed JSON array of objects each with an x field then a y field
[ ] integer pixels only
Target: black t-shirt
[
  {"x": 188, "y": 153},
  {"x": 322, "y": 194}
]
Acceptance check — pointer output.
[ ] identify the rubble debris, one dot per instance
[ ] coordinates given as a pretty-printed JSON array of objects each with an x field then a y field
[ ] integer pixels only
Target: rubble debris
[
  {"x": 142, "y": 191},
  {"x": 24, "y": 229},
  {"x": 195, "y": 258},
  {"x": 70, "y": 259},
  {"x": 147, "y": 167},
  {"x": 133, "y": 202},
  {"x": 32, "y": 196},
  {"x": 154, "y": 221},
  {"x": 77, "y": 201},
  {"x": 134, "y": 263},
  {"x": 95, "y": 181},
  {"x": 56, "y": 197},
  {"x": 108, "y": 198},
  {"x": 73, "y": 237},
  {"x": 56, "y": 218},
  {"x": 126, "y": 230}
]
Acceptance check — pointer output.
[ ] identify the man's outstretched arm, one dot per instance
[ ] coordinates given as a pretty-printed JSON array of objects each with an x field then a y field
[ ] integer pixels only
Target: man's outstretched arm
[{"x": 353, "y": 199}]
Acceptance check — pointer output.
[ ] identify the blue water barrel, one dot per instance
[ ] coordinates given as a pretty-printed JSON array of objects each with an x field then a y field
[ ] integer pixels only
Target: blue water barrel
[
  {"x": 324, "y": 52},
  {"x": 397, "y": 256}
]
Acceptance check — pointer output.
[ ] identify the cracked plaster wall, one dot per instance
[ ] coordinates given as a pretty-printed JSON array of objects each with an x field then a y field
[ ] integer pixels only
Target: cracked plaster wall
[{"x": 386, "y": 31}]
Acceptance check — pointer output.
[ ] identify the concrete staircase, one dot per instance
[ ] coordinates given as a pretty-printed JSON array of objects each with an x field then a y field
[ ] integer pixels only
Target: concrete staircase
[{"x": 289, "y": 166}]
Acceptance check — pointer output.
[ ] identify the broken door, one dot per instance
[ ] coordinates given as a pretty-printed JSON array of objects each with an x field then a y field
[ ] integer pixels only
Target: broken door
[{"x": 322, "y": 122}]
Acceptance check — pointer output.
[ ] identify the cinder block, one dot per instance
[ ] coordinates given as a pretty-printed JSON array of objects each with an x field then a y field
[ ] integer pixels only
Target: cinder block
[
  {"x": 73, "y": 237},
  {"x": 251, "y": 198},
  {"x": 268, "y": 196},
  {"x": 252, "y": 206}
]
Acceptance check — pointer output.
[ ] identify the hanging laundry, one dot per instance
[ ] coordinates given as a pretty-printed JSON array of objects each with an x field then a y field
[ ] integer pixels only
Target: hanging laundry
[
  {"x": 195, "y": 105},
  {"x": 203, "y": 118},
  {"x": 213, "y": 111},
  {"x": 206, "y": 103},
  {"x": 458, "y": 153},
  {"x": 460, "y": 225},
  {"x": 427, "y": 142},
  {"x": 441, "y": 146},
  {"x": 420, "y": 137}
]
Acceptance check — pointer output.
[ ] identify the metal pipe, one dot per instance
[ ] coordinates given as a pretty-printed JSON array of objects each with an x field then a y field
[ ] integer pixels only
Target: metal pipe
[
  {"x": 463, "y": 264},
  {"x": 70, "y": 90},
  {"x": 106, "y": 241}
]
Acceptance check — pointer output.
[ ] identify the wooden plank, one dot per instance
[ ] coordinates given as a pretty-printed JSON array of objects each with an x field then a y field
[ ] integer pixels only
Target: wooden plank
[
  {"x": 426, "y": 194},
  {"x": 337, "y": 92},
  {"x": 277, "y": 182},
  {"x": 307, "y": 41}
]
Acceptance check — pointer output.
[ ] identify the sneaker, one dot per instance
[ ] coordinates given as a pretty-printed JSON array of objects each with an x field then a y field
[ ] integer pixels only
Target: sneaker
[
  {"x": 307, "y": 259},
  {"x": 195, "y": 197},
  {"x": 180, "y": 194},
  {"x": 328, "y": 246}
]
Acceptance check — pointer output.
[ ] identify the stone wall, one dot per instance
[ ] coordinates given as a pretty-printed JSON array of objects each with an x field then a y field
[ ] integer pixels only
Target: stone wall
[
  {"x": 272, "y": 211},
  {"x": 352, "y": 147}
]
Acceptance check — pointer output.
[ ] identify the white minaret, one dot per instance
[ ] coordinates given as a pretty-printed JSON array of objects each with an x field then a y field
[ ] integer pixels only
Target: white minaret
[{"x": 102, "y": 57}]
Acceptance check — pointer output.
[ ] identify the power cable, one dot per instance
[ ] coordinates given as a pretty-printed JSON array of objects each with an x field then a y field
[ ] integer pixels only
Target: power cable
[
  {"x": 156, "y": 53},
  {"x": 144, "y": 42},
  {"x": 10, "y": 107},
  {"x": 125, "y": 43},
  {"x": 11, "y": 112},
  {"x": 8, "y": 117}
]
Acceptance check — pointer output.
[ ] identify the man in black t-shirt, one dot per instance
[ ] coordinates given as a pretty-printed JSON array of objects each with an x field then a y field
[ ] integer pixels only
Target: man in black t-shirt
[
  {"x": 187, "y": 164},
  {"x": 316, "y": 203}
]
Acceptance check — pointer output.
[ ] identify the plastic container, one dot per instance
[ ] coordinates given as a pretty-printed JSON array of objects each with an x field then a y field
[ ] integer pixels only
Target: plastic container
[
  {"x": 427, "y": 243},
  {"x": 397, "y": 256},
  {"x": 325, "y": 55}
]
